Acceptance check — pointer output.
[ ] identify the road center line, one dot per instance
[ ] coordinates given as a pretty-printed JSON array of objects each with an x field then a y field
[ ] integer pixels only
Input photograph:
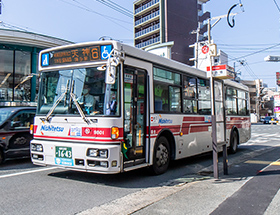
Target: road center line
[{"x": 27, "y": 172}]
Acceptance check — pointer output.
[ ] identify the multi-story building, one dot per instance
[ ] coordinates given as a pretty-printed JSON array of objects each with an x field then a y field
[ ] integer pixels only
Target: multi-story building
[{"x": 159, "y": 23}]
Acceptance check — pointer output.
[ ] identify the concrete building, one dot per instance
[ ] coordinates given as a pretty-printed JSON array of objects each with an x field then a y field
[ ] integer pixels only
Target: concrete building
[
  {"x": 18, "y": 65},
  {"x": 166, "y": 25}
]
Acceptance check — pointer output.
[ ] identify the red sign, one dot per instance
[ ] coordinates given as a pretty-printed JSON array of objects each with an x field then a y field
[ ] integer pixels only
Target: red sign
[
  {"x": 205, "y": 49},
  {"x": 217, "y": 67}
]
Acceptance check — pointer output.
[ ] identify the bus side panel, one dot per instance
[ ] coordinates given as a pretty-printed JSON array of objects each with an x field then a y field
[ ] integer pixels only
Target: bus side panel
[
  {"x": 243, "y": 125},
  {"x": 192, "y": 134}
]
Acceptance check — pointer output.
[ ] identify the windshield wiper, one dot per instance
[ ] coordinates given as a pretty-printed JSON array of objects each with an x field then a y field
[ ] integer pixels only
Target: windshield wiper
[
  {"x": 73, "y": 96},
  {"x": 57, "y": 102},
  {"x": 55, "y": 105}
]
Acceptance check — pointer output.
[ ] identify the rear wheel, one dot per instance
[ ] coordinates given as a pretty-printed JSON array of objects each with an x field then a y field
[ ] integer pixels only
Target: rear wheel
[
  {"x": 233, "y": 142},
  {"x": 161, "y": 156}
]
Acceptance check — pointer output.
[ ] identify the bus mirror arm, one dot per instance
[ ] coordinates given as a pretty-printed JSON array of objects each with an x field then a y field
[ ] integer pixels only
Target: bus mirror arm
[{"x": 114, "y": 60}]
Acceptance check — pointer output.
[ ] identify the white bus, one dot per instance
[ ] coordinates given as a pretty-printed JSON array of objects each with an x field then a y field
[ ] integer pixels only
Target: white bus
[{"x": 106, "y": 107}]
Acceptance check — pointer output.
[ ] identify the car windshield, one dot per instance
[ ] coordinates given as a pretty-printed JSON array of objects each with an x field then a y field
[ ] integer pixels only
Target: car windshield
[
  {"x": 5, "y": 113},
  {"x": 65, "y": 91}
]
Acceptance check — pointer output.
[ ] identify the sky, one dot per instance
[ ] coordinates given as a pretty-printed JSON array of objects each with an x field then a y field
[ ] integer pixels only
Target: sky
[{"x": 255, "y": 35}]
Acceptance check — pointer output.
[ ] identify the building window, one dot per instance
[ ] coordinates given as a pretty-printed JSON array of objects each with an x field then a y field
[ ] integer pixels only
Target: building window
[
  {"x": 15, "y": 75},
  {"x": 6, "y": 75},
  {"x": 22, "y": 76}
]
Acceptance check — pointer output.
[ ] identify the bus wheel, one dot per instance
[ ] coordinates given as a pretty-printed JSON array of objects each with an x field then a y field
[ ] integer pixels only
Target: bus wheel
[
  {"x": 161, "y": 156},
  {"x": 233, "y": 142}
]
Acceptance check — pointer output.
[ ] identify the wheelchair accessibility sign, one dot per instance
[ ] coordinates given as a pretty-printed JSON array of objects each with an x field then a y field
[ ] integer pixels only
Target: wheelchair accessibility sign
[
  {"x": 45, "y": 61},
  {"x": 105, "y": 51}
]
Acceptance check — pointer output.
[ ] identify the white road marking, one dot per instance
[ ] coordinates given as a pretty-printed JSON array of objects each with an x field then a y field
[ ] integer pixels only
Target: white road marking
[{"x": 26, "y": 172}]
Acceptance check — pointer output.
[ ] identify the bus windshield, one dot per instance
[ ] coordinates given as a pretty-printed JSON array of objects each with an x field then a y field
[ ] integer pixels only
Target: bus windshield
[{"x": 64, "y": 91}]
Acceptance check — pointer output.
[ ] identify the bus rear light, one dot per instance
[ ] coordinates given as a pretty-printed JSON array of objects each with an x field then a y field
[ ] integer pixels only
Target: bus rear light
[{"x": 115, "y": 133}]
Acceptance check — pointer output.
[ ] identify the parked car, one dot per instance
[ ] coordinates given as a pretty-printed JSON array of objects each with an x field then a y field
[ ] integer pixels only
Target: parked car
[
  {"x": 15, "y": 134},
  {"x": 270, "y": 120},
  {"x": 273, "y": 120}
]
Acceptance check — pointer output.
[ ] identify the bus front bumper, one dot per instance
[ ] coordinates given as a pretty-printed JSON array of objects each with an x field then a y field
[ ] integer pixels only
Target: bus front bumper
[{"x": 97, "y": 158}]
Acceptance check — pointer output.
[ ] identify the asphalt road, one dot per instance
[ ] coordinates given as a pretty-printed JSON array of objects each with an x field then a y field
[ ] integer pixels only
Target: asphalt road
[{"x": 29, "y": 189}]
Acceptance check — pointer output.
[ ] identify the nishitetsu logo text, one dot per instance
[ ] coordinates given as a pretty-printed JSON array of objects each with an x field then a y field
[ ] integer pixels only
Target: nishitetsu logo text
[
  {"x": 165, "y": 121},
  {"x": 52, "y": 128}
]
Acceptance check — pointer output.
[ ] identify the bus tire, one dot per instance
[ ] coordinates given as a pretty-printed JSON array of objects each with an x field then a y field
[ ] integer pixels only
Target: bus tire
[
  {"x": 233, "y": 142},
  {"x": 161, "y": 156}
]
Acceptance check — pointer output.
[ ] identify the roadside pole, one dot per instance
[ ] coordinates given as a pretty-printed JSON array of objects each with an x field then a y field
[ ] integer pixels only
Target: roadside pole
[{"x": 214, "y": 121}]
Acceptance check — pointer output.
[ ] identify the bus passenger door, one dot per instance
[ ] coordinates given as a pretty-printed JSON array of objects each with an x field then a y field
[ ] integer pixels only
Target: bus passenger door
[{"x": 134, "y": 113}]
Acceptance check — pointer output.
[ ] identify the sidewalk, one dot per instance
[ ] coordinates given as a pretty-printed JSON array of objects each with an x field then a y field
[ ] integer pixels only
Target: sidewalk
[{"x": 252, "y": 187}]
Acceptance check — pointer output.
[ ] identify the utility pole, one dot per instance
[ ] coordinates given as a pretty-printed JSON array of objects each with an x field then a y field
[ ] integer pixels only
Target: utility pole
[{"x": 222, "y": 134}]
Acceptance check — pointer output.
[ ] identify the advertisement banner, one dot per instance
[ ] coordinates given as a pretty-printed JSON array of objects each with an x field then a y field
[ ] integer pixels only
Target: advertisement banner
[{"x": 278, "y": 78}]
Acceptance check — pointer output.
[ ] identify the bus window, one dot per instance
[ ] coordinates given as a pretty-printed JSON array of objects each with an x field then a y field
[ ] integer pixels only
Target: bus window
[
  {"x": 175, "y": 99},
  {"x": 241, "y": 103},
  {"x": 161, "y": 96},
  {"x": 204, "y": 102},
  {"x": 231, "y": 101},
  {"x": 189, "y": 95}
]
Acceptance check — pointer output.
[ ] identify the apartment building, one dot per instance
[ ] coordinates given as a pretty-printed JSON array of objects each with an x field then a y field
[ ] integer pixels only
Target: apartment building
[{"x": 159, "y": 22}]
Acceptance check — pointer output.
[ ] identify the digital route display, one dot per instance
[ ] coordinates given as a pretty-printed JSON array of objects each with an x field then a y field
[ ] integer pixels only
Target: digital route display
[{"x": 76, "y": 55}]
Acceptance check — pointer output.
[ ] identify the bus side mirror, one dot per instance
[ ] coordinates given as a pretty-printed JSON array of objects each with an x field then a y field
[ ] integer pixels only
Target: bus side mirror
[{"x": 110, "y": 74}]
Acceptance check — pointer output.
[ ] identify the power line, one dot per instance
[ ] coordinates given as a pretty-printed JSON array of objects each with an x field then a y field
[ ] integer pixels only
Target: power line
[
  {"x": 277, "y": 5},
  {"x": 259, "y": 51},
  {"x": 116, "y": 7},
  {"x": 121, "y": 7},
  {"x": 83, "y": 7}
]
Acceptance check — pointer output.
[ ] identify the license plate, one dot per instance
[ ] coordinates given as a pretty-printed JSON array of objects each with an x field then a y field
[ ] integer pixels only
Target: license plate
[{"x": 63, "y": 152}]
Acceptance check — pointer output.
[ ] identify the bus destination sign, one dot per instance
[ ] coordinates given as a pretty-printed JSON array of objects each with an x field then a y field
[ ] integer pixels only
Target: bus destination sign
[{"x": 76, "y": 55}]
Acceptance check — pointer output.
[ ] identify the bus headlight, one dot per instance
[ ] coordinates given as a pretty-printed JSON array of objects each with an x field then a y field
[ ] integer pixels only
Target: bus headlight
[
  {"x": 37, "y": 147},
  {"x": 104, "y": 164},
  {"x": 115, "y": 133},
  {"x": 93, "y": 152},
  {"x": 102, "y": 153}
]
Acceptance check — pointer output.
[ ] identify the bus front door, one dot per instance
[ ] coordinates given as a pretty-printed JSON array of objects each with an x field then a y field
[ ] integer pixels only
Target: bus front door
[{"x": 134, "y": 114}]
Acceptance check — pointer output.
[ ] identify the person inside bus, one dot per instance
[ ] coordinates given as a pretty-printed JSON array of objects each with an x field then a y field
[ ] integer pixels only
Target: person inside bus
[
  {"x": 112, "y": 106},
  {"x": 88, "y": 100}
]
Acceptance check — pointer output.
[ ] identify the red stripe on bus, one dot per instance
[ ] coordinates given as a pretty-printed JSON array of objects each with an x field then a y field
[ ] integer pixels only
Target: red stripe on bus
[
  {"x": 193, "y": 118},
  {"x": 76, "y": 138}
]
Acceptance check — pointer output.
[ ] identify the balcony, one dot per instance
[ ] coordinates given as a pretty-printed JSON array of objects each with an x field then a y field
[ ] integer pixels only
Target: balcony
[
  {"x": 152, "y": 4},
  {"x": 147, "y": 31},
  {"x": 147, "y": 18},
  {"x": 148, "y": 42}
]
